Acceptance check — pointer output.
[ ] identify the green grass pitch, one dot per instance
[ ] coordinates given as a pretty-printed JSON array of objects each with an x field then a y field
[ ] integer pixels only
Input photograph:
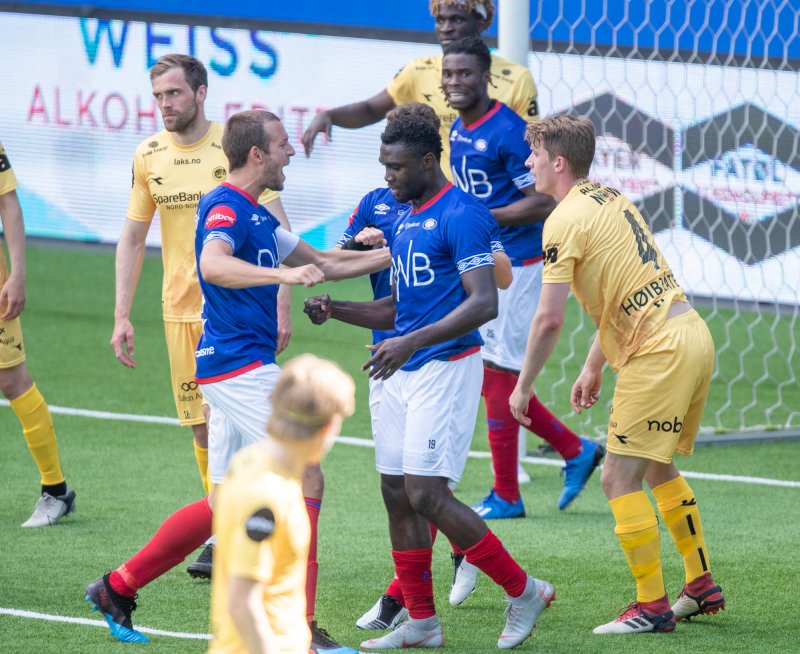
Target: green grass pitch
[{"x": 130, "y": 476}]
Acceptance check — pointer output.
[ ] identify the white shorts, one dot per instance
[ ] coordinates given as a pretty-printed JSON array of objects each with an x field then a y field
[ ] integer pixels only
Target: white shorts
[
  {"x": 375, "y": 395},
  {"x": 240, "y": 408},
  {"x": 427, "y": 418},
  {"x": 506, "y": 337}
]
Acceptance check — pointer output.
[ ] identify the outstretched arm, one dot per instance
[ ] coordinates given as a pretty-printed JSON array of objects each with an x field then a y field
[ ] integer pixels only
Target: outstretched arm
[
  {"x": 533, "y": 208},
  {"x": 378, "y": 314},
  {"x": 479, "y": 307},
  {"x": 340, "y": 264},
  {"x": 357, "y": 114},
  {"x": 218, "y": 266}
]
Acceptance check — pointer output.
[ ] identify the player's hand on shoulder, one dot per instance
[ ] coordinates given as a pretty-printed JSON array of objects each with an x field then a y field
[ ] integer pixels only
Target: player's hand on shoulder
[
  {"x": 389, "y": 356},
  {"x": 12, "y": 298},
  {"x": 586, "y": 390},
  {"x": 320, "y": 123},
  {"x": 122, "y": 342},
  {"x": 318, "y": 308},
  {"x": 308, "y": 275}
]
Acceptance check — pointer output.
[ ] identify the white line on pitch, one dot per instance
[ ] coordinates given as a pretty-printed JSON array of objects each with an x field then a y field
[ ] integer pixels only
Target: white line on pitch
[
  {"x": 99, "y": 623},
  {"x": 365, "y": 442}
]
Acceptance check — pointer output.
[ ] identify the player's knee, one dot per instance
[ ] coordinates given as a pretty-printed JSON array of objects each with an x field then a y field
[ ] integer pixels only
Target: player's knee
[
  {"x": 15, "y": 381},
  {"x": 313, "y": 482},
  {"x": 426, "y": 499},
  {"x": 394, "y": 495},
  {"x": 200, "y": 433}
]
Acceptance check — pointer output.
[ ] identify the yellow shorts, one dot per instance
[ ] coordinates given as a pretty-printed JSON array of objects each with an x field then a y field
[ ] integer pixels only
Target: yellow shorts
[
  {"x": 661, "y": 392},
  {"x": 12, "y": 350},
  {"x": 182, "y": 339}
]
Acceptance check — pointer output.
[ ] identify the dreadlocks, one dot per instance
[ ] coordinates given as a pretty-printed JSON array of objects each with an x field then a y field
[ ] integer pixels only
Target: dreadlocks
[{"x": 484, "y": 8}]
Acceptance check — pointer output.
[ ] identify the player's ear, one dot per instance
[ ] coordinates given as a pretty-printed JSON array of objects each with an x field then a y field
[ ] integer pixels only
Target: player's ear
[{"x": 201, "y": 93}]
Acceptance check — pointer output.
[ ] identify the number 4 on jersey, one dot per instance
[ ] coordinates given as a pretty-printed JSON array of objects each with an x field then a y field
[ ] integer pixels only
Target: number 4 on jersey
[{"x": 646, "y": 251}]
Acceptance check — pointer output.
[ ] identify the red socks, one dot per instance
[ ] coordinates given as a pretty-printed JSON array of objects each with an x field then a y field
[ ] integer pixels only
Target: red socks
[
  {"x": 545, "y": 425},
  {"x": 489, "y": 556},
  {"x": 313, "y": 507},
  {"x": 394, "y": 589},
  {"x": 503, "y": 431},
  {"x": 413, "y": 569},
  {"x": 178, "y": 536}
]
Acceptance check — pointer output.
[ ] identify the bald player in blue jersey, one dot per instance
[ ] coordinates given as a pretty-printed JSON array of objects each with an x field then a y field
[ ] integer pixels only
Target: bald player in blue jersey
[
  {"x": 443, "y": 289},
  {"x": 487, "y": 155},
  {"x": 239, "y": 247}
]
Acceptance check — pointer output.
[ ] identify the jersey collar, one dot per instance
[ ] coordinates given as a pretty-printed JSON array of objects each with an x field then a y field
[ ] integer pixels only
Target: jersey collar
[
  {"x": 242, "y": 191},
  {"x": 434, "y": 199}
]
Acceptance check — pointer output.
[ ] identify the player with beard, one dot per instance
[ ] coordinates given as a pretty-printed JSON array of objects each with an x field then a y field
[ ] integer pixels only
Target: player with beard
[
  {"x": 239, "y": 247},
  {"x": 171, "y": 171}
]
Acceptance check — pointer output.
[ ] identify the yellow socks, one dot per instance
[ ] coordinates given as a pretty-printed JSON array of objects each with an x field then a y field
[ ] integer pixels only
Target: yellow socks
[
  {"x": 201, "y": 454},
  {"x": 637, "y": 530},
  {"x": 678, "y": 508},
  {"x": 37, "y": 427}
]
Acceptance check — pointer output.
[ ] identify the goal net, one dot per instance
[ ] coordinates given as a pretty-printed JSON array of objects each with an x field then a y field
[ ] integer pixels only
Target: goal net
[{"x": 695, "y": 106}]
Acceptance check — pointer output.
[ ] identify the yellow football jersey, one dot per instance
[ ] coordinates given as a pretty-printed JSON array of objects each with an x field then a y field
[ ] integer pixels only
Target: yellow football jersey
[
  {"x": 420, "y": 80},
  {"x": 171, "y": 178},
  {"x": 263, "y": 534},
  {"x": 597, "y": 240},
  {"x": 8, "y": 183}
]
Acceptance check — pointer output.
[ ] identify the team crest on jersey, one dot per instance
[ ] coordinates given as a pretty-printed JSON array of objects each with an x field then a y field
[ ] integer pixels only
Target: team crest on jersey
[
  {"x": 481, "y": 145},
  {"x": 221, "y": 217},
  {"x": 429, "y": 224},
  {"x": 219, "y": 173},
  {"x": 260, "y": 525}
]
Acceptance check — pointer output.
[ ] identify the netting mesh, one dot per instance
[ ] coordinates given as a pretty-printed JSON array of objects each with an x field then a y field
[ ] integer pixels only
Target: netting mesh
[{"x": 696, "y": 109}]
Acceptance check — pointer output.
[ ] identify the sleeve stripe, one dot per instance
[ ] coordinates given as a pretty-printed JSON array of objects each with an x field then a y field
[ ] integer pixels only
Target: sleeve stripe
[
  {"x": 222, "y": 236},
  {"x": 475, "y": 261}
]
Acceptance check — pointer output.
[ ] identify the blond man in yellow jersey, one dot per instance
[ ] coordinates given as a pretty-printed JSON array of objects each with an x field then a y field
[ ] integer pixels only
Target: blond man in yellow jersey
[
  {"x": 420, "y": 80},
  {"x": 171, "y": 171},
  {"x": 16, "y": 384},
  {"x": 597, "y": 244},
  {"x": 258, "y": 600}
]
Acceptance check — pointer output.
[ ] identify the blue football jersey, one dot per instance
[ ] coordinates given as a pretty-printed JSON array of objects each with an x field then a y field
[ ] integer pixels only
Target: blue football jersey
[
  {"x": 377, "y": 208},
  {"x": 488, "y": 161},
  {"x": 240, "y": 325},
  {"x": 431, "y": 248}
]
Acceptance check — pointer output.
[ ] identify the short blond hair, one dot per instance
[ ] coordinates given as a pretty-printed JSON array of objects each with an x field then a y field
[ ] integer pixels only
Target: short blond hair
[
  {"x": 309, "y": 392},
  {"x": 484, "y": 8},
  {"x": 571, "y": 137}
]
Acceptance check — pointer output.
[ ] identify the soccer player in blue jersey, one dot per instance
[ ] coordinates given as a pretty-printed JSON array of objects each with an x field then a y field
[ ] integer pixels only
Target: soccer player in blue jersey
[
  {"x": 487, "y": 155},
  {"x": 378, "y": 209},
  {"x": 240, "y": 247},
  {"x": 443, "y": 290}
]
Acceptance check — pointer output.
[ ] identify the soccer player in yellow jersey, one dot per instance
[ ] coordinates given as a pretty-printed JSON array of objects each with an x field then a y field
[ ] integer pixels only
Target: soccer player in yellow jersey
[
  {"x": 420, "y": 80},
  {"x": 171, "y": 171},
  {"x": 597, "y": 244},
  {"x": 16, "y": 384},
  {"x": 257, "y": 595}
]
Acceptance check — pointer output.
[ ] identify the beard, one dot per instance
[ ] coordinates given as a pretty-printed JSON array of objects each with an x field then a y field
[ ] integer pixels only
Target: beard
[{"x": 185, "y": 120}]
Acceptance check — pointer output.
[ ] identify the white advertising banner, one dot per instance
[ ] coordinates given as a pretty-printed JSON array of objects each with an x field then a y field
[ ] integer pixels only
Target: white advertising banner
[{"x": 709, "y": 153}]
